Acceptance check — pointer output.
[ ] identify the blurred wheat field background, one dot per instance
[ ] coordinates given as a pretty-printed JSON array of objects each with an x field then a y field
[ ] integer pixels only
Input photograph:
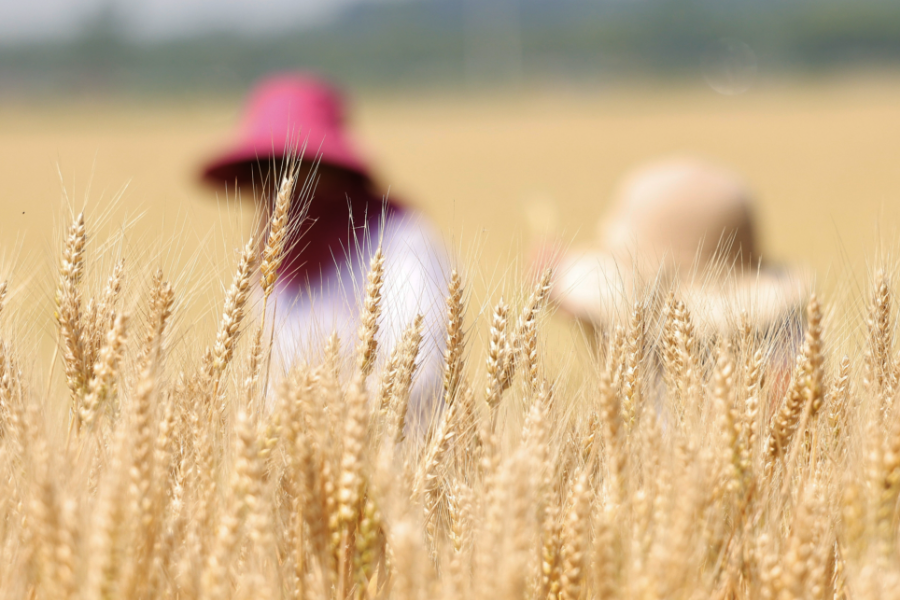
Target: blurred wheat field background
[{"x": 821, "y": 155}]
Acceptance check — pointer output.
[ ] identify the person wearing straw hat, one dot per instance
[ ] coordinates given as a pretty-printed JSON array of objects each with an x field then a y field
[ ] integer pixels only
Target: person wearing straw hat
[
  {"x": 680, "y": 223},
  {"x": 323, "y": 276}
]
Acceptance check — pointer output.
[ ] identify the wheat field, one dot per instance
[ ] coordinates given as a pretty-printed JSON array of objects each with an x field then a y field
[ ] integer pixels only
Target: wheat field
[
  {"x": 143, "y": 456},
  {"x": 756, "y": 459},
  {"x": 820, "y": 156}
]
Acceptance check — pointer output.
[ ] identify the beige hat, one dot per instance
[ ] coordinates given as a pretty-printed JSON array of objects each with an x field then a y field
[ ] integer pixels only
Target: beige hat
[{"x": 682, "y": 223}]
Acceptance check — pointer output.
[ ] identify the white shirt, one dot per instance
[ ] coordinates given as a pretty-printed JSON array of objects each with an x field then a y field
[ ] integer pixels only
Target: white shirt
[{"x": 416, "y": 276}]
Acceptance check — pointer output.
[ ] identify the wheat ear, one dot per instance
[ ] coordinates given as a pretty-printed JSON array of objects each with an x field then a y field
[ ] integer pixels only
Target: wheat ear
[
  {"x": 631, "y": 378},
  {"x": 218, "y": 571},
  {"x": 428, "y": 479},
  {"x": 616, "y": 455},
  {"x": 105, "y": 371},
  {"x": 728, "y": 424},
  {"x": 838, "y": 400},
  {"x": 498, "y": 357},
  {"x": 68, "y": 309},
  {"x": 879, "y": 359},
  {"x": 233, "y": 314},
  {"x": 273, "y": 252},
  {"x": 368, "y": 328},
  {"x": 574, "y": 540},
  {"x": 526, "y": 331},
  {"x": 804, "y": 397},
  {"x": 351, "y": 485},
  {"x": 813, "y": 381},
  {"x": 453, "y": 354},
  {"x": 406, "y": 366},
  {"x": 162, "y": 297},
  {"x": 3, "y": 288}
]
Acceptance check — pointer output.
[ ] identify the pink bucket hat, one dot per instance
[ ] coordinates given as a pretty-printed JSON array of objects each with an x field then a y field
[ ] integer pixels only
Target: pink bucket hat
[{"x": 283, "y": 113}]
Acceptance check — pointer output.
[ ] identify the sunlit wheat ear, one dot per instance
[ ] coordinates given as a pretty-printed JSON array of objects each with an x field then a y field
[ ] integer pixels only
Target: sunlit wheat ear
[
  {"x": 815, "y": 391},
  {"x": 839, "y": 576},
  {"x": 107, "y": 307},
  {"x": 459, "y": 508},
  {"x": 615, "y": 452},
  {"x": 879, "y": 354},
  {"x": 99, "y": 316},
  {"x": 352, "y": 493},
  {"x": 633, "y": 366},
  {"x": 400, "y": 392},
  {"x": 888, "y": 482},
  {"x": 201, "y": 479},
  {"x": 106, "y": 369},
  {"x": 536, "y": 437},
  {"x": 144, "y": 498},
  {"x": 614, "y": 358},
  {"x": 550, "y": 546},
  {"x": 732, "y": 461},
  {"x": 753, "y": 380},
  {"x": 218, "y": 571},
  {"x": 605, "y": 574},
  {"x": 6, "y": 391},
  {"x": 296, "y": 542},
  {"x": 399, "y": 368},
  {"x": 368, "y": 321},
  {"x": 788, "y": 415},
  {"x": 804, "y": 396},
  {"x": 680, "y": 357},
  {"x": 103, "y": 564},
  {"x": 768, "y": 565},
  {"x": 574, "y": 540},
  {"x": 498, "y": 357},
  {"x": 808, "y": 547},
  {"x": 453, "y": 354},
  {"x": 163, "y": 531},
  {"x": 317, "y": 489},
  {"x": 3, "y": 288},
  {"x": 329, "y": 381},
  {"x": 351, "y": 483},
  {"x": 162, "y": 298},
  {"x": 233, "y": 314},
  {"x": 332, "y": 355},
  {"x": 254, "y": 365},
  {"x": 813, "y": 382},
  {"x": 390, "y": 371},
  {"x": 838, "y": 400},
  {"x": 259, "y": 535},
  {"x": 273, "y": 252},
  {"x": 427, "y": 485},
  {"x": 468, "y": 438},
  {"x": 68, "y": 309},
  {"x": 368, "y": 536},
  {"x": 518, "y": 506},
  {"x": 525, "y": 342}
]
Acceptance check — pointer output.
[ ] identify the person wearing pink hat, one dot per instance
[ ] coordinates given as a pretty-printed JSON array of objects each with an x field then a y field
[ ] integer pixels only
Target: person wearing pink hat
[{"x": 323, "y": 275}]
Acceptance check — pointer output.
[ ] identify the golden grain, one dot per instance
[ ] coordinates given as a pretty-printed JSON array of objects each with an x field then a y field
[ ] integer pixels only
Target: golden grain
[{"x": 684, "y": 466}]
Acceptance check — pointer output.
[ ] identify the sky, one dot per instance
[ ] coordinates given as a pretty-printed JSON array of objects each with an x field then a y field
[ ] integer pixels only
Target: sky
[{"x": 34, "y": 20}]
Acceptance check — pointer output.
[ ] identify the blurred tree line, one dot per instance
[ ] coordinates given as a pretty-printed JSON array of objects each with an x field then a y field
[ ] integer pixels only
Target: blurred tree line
[{"x": 478, "y": 42}]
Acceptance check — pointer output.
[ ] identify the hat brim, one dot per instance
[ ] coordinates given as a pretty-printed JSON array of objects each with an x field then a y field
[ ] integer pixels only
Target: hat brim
[
  {"x": 333, "y": 150},
  {"x": 596, "y": 289}
]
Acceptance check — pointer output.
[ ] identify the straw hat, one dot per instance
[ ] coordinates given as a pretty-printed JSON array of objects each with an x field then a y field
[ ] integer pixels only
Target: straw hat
[
  {"x": 283, "y": 113},
  {"x": 679, "y": 223}
]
